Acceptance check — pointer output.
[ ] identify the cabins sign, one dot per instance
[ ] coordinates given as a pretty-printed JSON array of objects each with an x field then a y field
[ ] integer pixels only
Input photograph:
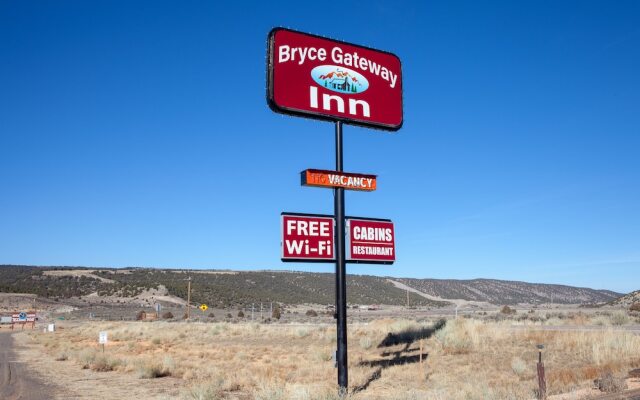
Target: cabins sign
[
  {"x": 315, "y": 77},
  {"x": 370, "y": 240}
]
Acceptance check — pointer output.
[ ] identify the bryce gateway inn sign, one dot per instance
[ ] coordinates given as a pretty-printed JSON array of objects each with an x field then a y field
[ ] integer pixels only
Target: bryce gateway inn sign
[
  {"x": 320, "y": 78},
  {"x": 315, "y": 77}
]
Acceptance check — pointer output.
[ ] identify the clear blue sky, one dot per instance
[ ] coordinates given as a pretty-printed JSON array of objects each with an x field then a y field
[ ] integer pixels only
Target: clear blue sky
[{"x": 137, "y": 134}]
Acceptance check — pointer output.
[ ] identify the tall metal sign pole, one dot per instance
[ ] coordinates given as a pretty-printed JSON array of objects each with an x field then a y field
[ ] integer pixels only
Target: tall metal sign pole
[
  {"x": 315, "y": 77},
  {"x": 341, "y": 269}
]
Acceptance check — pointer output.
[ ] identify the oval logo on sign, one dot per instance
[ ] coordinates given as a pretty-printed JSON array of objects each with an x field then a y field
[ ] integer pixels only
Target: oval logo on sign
[{"x": 339, "y": 79}]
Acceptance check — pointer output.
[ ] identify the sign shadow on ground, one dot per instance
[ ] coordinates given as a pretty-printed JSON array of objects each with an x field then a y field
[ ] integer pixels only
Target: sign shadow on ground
[{"x": 401, "y": 357}]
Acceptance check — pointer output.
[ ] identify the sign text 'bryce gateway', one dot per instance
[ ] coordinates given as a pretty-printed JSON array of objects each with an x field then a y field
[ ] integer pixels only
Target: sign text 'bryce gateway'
[
  {"x": 309, "y": 238},
  {"x": 370, "y": 240},
  {"x": 333, "y": 179},
  {"x": 328, "y": 79}
]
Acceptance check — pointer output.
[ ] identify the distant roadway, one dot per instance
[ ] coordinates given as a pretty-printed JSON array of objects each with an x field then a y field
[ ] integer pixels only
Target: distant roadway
[{"x": 578, "y": 328}]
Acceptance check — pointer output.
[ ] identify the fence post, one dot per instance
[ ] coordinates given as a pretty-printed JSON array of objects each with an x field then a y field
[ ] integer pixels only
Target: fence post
[{"x": 542, "y": 382}]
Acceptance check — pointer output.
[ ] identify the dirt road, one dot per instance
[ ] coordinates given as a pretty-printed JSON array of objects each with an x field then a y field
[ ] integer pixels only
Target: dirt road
[
  {"x": 629, "y": 395},
  {"x": 16, "y": 383}
]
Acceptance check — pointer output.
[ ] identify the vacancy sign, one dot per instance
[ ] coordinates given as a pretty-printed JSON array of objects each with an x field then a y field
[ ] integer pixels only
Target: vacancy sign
[
  {"x": 316, "y": 77},
  {"x": 370, "y": 241},
  {"x": 333, "y": 179},
  {"x": 307, "y": 238}
]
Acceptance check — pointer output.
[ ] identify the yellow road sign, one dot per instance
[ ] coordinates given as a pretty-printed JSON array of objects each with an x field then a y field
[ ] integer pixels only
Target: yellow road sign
[{"x": 204, "y": 307}]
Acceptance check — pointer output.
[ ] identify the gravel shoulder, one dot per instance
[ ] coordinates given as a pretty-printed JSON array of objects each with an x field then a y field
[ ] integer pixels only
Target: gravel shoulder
[
  {"x": 65, "y": 380},
  {"x": 17, "y": 380}
]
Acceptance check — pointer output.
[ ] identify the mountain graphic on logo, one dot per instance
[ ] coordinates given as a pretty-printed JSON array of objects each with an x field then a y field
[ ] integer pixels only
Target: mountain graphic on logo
[{"x": 339, "y": 79}]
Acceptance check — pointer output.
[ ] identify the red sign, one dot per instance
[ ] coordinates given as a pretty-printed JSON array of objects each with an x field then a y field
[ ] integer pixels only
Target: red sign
[
  {"x": 370, "y": 241},
  {"x": 23, "y": 317},
  {"x": 307, "y": 238},
  {"x": 333, "y": 179},
  {"x": 310, "y": 237},
  {"x": 321, "y": 78}
]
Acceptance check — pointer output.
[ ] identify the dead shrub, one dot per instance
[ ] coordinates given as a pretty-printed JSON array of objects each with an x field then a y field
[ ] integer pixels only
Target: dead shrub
[
  {"x": 458, "y": 336},
  {"x": 506, "y": 310},
  {"x": 562, "y": 380},
  {"x": 151, "y": 370},
  {"x": 591, "y": 372},
  {"x": 167, "y": 315},
  {"x": 619, "y": 318},
  {"x": 635, "y": 307},
  {"x": 518, "y": 366},
  {"x": 302, "y": 332},
  {"x": 365, "y": 343},
  {"x": 311, "y": 313},
  {"x": 206, "y": 391},
  {"x": 580, "y": 318},
  {"x": 104, "y": 364},
  {"x": 86, "y": 358},
  {"x": 609, "y": 383}
]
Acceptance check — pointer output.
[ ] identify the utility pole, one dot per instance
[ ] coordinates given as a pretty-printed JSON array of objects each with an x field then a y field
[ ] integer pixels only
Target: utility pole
[
  {"x": 189, "y": 298},
  {"x": 35, "y": 312}
]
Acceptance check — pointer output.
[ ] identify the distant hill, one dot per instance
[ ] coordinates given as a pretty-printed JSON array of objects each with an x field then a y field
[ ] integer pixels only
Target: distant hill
[
  {"x": 627, "y": 300},
  {"x": 220, "y": 288},
  {"x": 509, "y": 292},
  {"x": 217, "y": 288}
]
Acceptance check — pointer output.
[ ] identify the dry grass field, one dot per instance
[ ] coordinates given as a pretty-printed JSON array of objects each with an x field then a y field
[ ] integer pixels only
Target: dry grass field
[{"x": 463, "y": 358}]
